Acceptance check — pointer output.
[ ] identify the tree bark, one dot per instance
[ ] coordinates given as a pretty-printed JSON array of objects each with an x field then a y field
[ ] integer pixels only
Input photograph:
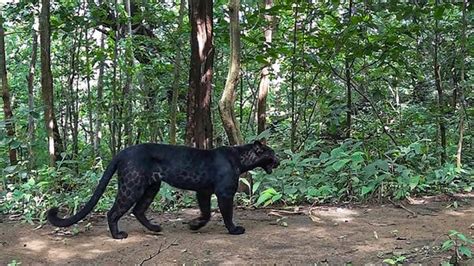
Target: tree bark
[
  {"x": 199, "y": 124},
  {"x": 293, "y": 85},
  {"x": 439, "y": 89},
  {"x": 348, "y": 82},
  {"x": 461, "y": 86},
  {"x": 128, "y": 122},
  {"x": 176, "y": 74},
  {"x": 265, "y": 74},
  {"x": 226, "y": 103},
  {"x": 100, "y": 96},
  {"x": 7, "y": 108},
  {"x": 31, "y": 94},
  {"x": 47, "y": 80}
]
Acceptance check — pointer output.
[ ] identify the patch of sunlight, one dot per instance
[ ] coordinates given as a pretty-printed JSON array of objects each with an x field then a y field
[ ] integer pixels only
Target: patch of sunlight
[
  {"x": 35, "y": 244},
  {"x": 455, "y": 213},
  {"x": 334, "y": 214},
  {"x": 61, "y": 253},
  {"x": 304, "y": 229},
  {"x": 234, "y": 261},
  {"x": 218, "y": 241},
  {"x": 374, "y": 246}
]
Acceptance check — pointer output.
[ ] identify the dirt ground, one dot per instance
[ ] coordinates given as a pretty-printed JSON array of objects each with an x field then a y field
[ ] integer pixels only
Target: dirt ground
[{"x": 333, "y": 234}]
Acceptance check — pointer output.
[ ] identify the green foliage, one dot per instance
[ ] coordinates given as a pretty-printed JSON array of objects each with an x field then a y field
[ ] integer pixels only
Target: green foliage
[
  {"x": 460, "y": 244},
  {"x": 395, "y": 260},
  {"x": 351, "y": 171},
  {"x": 394, "y": 148}
]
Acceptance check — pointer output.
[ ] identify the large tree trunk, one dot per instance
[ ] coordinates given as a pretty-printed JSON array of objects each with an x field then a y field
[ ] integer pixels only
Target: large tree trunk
[
  {"x": 31, "y": 94},
  {"x": 176, "y": 73},
  {"x": 47, "y": 84},
  {"x": 439, "y": 89},
  {"x": 7, "y": 108},
  {"x": 199, "y": 123},
  {"x": 265, "y": 74},
  {"x": 226, "y": 103}
]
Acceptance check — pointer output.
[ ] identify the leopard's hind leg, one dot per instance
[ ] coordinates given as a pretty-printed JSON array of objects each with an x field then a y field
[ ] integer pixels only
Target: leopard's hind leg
[
  {"x": 130, "y": 190},
  {"x": 143, "y": 204}
]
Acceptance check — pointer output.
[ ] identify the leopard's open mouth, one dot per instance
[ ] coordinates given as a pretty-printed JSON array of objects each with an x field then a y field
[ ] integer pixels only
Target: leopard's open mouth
[{"x": 272, "y": 165}]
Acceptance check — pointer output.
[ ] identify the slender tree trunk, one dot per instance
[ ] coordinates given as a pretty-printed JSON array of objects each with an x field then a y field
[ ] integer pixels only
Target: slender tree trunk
[
  {"x": 176, "y": 74},
  {"x": 7, "y": 108},
  {"x": 199, "y": 124},
  {"x": 73, "y": 95},
  {"x": 348, "y": 82},
  {"x": 461, "y": 87},
  {"x": 89, "y": 95},
  {"x": 265, "y": 74},
  {"x": 31, "y": 94},
  {"x": 128, "y": 122},
  {"x": 227, "y": 101},
  {"x": 100, "y": 96},
  {"x": 293, "y": 84},
  {"x": 113, "y": 124},
  {"x": 47, "y": 80},
  {"x": 439, "y": 89}
]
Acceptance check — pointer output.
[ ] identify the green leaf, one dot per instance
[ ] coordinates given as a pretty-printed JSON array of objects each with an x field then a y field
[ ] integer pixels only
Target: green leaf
[
  {"x": 414, "y": 180},
  {"x": 466, "y": 251},
  {"x": 366, "y": 189},
  {"x": 336, "y": 152},
  {"x": 448, "y": 244},
  {"x": 438, "y": 12},
  {"x": 389, "y": 261},
  {"x": 339, "y": 164},
  {"x": 463, "y": 237},
  {"x": 382, "y": 165},
  {"x": 357, "y": 157}
]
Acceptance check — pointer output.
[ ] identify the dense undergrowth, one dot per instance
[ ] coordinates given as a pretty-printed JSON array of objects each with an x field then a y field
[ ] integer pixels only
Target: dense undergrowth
[{"x": 349, "y": 171}]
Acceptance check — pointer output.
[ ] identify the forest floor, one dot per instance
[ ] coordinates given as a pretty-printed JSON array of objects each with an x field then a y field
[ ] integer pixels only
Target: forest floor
[{"x": 335, "y": 234}]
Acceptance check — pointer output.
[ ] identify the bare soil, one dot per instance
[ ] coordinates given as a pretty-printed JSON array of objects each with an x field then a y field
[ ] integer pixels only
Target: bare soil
[{"x": 333, "y": 234}]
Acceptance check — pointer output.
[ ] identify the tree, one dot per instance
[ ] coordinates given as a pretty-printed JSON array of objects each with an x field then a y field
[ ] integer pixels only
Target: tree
[
  {"x": 461, "y": 88},
  {"x": 226, "y": 103},
  {"x": 199, "y": 132},
  {"x": 31, "y": 93},
  {"x": 265, "y": 74},
  {"x": 7, "y": 108},
  {"x": 439, "y": 88},
  {"x": 347, "y": 66},
  {"x": 47, "y": 83},
  {"x": 176, "y": 76}
]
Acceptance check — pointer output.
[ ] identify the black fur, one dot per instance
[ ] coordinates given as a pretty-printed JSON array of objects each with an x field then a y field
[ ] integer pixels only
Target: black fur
[{"x": 141, "y": 168}]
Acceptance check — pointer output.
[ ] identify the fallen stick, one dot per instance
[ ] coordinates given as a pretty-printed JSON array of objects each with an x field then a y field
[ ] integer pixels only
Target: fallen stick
[
  {"x": 287, "y": 212},
  {"x": 158, "y": 252},
  {"x": 399, "y": 205}
]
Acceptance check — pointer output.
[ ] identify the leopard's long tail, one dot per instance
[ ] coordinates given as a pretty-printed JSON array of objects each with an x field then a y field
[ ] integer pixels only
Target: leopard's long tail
[{"x": 104, "y": 181}]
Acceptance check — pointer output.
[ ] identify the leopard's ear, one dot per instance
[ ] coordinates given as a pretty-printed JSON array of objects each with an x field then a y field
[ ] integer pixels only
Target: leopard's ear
[
  {"x": 257, "y": 143},
  {"x": 257, "y": 147}
]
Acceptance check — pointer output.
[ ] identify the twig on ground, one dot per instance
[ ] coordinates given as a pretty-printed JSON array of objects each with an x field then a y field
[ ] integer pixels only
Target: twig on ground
[
  {"x": 399, "y": 205},
  {"x": 286, "y": 212},
  {"x": 382, "y": 224},
  {"x": 160, "y": 249}
]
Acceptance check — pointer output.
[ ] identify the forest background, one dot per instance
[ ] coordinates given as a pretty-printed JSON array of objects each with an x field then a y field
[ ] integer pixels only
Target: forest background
[{"x": 362, "y": 100}]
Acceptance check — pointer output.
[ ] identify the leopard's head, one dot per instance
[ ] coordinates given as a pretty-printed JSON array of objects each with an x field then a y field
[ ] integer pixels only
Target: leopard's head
[{"x": 265, "y": 156}]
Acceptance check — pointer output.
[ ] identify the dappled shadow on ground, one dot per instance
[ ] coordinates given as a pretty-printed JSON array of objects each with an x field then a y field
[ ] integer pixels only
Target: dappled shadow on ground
[{"x": 357, "y": 234}]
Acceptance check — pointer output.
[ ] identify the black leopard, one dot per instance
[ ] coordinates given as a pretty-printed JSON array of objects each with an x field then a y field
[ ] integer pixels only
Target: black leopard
[{"x": 141, "y": 168}]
